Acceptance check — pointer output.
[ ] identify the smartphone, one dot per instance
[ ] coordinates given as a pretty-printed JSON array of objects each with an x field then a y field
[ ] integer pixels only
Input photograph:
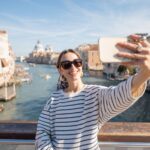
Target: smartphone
[{"x": 108, "y": 50}]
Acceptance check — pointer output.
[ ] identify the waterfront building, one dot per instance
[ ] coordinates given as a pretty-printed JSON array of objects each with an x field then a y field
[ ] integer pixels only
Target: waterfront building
[
  {"x": 38, "y": 48},
  {"x": 20, "y": 59},
  {"x": 91, "y": 62},
  {"x": 110, "y": 70},
  {"x": 94, "y": 63},
  {"x": 7, "y": 67},
  {"x": 89, "y": 54},
  {"x": 41, "y": 55},
  {"x": 48, "y": 49},
  {"x": 83, "y": 51}
]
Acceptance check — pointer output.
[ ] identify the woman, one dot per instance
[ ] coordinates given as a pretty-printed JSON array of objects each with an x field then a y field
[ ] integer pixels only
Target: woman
[{"x": 74, "y": 114}]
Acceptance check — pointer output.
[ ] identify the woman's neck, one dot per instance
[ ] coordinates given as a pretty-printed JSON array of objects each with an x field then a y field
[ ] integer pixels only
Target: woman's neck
[{"x": 74, "y": 87}]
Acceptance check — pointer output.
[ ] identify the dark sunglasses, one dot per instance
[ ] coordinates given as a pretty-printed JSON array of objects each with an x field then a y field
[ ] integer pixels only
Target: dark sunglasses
[{"x": 68, "y": 64}]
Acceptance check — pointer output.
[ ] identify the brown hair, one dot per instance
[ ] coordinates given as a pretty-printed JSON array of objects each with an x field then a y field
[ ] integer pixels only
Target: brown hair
[{"x": 64, "y": 52}]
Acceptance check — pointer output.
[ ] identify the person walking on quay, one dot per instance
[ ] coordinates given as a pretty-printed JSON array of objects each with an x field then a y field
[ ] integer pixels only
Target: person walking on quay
[{"x": 73, "y": 115}]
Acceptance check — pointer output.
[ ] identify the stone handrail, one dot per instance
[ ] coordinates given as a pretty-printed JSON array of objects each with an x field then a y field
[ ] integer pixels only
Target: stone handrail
[{"x": 110, "y": 132}]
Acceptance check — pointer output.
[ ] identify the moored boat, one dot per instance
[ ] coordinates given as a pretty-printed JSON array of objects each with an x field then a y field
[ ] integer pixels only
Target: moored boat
[{"x": 1, "y": 107}]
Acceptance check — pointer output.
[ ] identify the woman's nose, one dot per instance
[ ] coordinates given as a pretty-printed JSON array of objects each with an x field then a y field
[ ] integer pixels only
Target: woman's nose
[{"x": 73, "y": 66}]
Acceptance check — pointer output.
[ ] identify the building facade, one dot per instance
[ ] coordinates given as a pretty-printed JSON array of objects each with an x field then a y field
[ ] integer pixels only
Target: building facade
[
  {"x": 7, "y": 68},
  {"x": 41, "y": 55},
  {"x": 90, "y": 56}
]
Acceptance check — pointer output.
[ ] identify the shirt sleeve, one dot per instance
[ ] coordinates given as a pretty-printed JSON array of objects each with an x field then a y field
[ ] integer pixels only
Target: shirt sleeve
[
  {"x": 43, "y": 133},
  {"x": 116, "y": 99}
]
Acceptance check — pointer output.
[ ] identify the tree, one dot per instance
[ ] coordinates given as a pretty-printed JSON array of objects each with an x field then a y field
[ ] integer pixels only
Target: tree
[{"x": 121, "y": 69}]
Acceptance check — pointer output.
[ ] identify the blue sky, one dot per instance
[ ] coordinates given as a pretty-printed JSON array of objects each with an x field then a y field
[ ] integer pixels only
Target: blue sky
[{"x": 68, "y": 23}]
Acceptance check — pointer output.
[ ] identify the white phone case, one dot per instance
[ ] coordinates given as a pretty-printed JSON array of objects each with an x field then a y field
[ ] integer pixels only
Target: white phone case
[{"x": 108, "y": 50}]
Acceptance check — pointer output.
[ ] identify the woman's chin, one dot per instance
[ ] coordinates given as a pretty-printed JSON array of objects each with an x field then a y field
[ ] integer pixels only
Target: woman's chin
[{"x": 74, "y": 78}]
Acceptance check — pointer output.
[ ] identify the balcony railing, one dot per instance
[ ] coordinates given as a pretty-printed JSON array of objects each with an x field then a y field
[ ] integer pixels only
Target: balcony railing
[{"x": 112, "y": 136}]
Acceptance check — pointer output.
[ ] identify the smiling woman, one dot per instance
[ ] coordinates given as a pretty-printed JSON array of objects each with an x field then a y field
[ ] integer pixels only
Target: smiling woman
[{"x": 74, "y": 114}]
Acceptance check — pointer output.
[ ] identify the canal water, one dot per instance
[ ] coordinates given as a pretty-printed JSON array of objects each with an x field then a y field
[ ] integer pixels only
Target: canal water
[{"x": 32, "y": 96}]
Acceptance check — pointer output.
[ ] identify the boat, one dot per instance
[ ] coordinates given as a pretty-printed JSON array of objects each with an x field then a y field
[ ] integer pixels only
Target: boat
[
  {"x": 47, "y": 76},
  {"x": 25, "y": 79},
  {"x": 26, "y": 68},
  {"x": 1, "y": 107},
  {"x": 85, "y": 74},
  {"x": 32, "y": 64}
]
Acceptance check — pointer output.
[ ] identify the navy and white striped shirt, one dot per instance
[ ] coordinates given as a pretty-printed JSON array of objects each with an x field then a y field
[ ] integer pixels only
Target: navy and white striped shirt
[{"x": 73, "y": 122}]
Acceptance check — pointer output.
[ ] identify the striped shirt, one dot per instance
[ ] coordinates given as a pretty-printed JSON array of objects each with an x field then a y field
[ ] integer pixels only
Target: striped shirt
[{"x": 72, "y": 122}]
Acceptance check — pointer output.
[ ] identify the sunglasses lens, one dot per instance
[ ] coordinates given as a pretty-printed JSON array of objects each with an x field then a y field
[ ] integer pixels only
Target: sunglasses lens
[
  {"x": 68, "y": 64},
  {"x": 77, "y": 62}
]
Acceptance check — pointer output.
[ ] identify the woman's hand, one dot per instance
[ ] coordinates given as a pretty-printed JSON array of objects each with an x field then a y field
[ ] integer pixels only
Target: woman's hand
[
  {"x": 140, "y": 55},
  {"x": 141, "y": 58}
]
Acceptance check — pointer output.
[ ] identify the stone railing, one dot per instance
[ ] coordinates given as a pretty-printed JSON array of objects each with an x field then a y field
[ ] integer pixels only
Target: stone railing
[{"x": 112, "y": 136}]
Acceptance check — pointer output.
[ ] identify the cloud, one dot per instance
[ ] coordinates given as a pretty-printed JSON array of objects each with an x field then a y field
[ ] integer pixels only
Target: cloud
[
  {"x": 26, "y": 22},
  {"x": 78, "y": 21},
  {"x": 17, "y": 31},
  {"x": 112, "y": 21},
  {"x": 40, "y": 26}
]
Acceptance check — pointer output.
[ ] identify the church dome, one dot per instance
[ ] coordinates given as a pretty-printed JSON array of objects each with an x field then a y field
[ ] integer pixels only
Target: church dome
[
  {"x": 38, "y": 47},
  {"x": 48, "y": 48}
]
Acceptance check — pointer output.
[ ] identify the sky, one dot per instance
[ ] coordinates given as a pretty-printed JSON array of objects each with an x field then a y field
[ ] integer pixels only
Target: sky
[{"x": 64, "y": 24}]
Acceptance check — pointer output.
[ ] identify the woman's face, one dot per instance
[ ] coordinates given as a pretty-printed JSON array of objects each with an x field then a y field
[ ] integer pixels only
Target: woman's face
[{"x": 72, "y": 73}]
